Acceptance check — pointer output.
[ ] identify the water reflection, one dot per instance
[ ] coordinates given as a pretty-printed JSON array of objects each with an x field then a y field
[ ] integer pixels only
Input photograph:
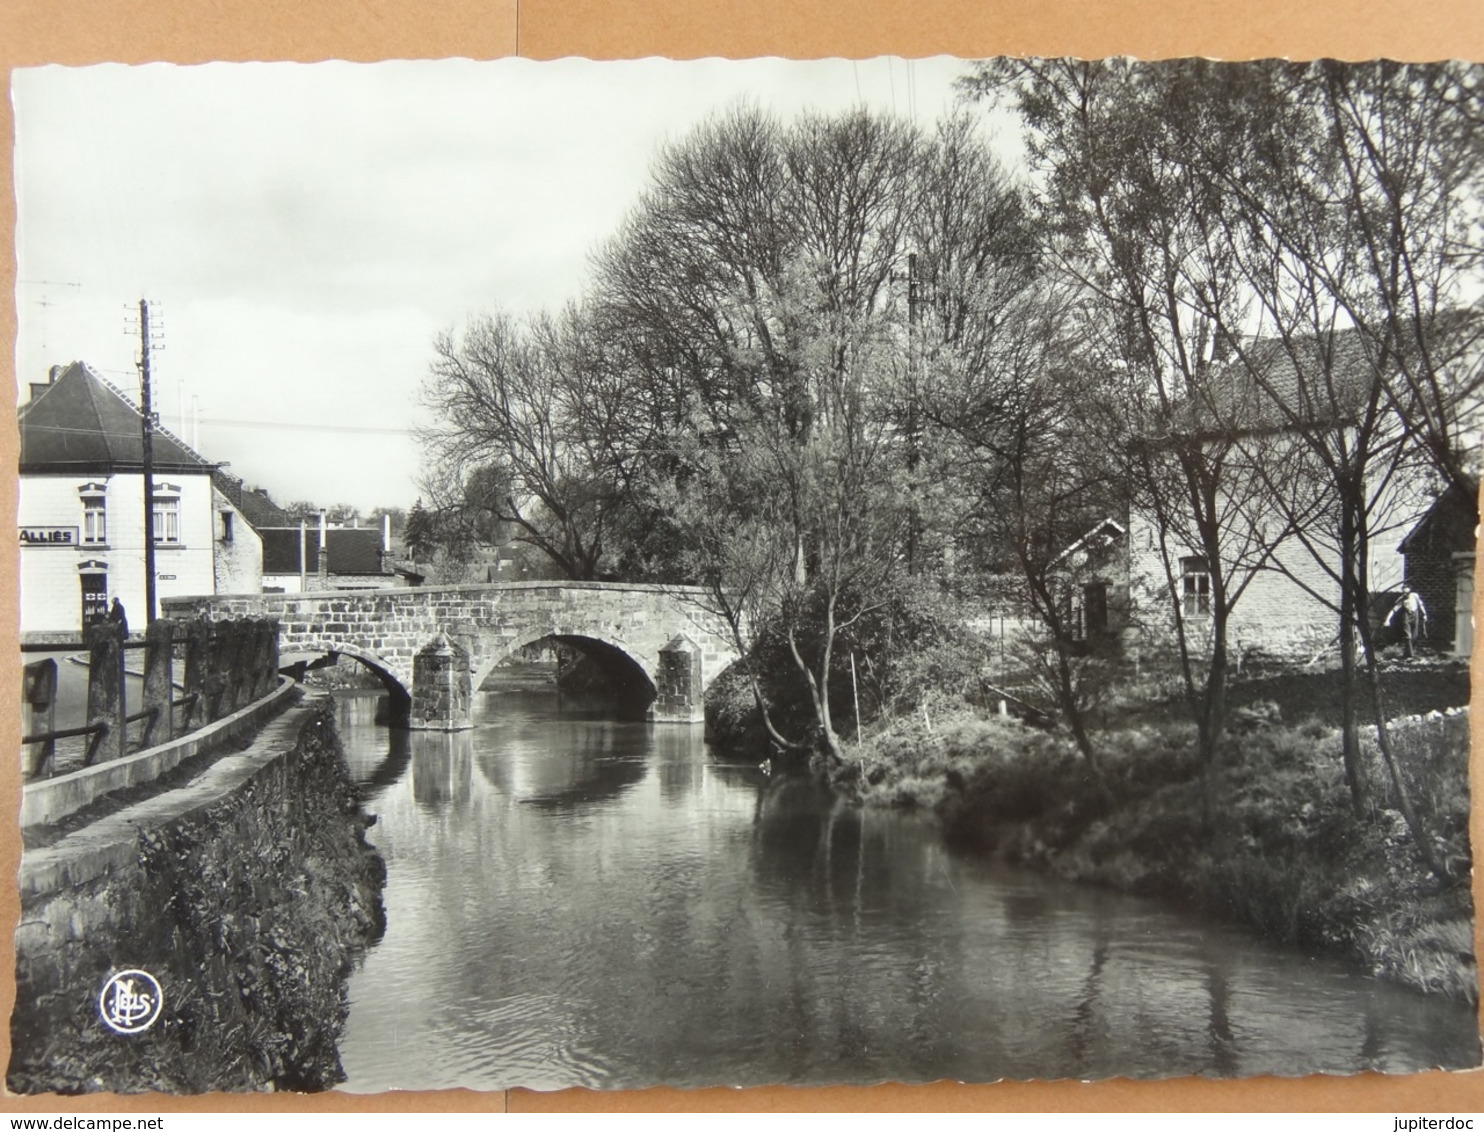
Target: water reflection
[
  {"x": 378, "y": 763},
  {"x": 442, "y": 769},
  {"x": 609, "y": 904},
  {"x": 592, "y": 770}
]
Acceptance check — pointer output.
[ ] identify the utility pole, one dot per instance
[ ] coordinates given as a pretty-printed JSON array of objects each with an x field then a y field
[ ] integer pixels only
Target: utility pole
[{"x": 149, "y": 463}]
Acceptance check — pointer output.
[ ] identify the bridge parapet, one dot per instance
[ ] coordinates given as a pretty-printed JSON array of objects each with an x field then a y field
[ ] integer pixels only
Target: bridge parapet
[{"x": 386, "y": 629}]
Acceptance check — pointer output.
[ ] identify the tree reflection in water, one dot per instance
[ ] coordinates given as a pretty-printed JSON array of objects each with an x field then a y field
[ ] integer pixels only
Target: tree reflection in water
[{"x": 611, "y": 904}]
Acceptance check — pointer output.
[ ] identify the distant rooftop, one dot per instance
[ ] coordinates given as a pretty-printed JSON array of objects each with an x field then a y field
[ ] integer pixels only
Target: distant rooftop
[
  {"x": 353, "y": 550},
  {"x": 254, "y": 503}
]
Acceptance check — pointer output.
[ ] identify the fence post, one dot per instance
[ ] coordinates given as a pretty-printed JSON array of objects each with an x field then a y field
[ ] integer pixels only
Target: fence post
[
  {"x": 264, "y": 656},
  {"x": 159, "y": 670},
  {"x": 107, "y": 703},
  {"x": 213, "y": 682},
  {"x": 271, "y": 627},
  {"x": 235, "y": 658},
  {"x": 195, "y": 634},
  {"x": 39, "y": 696},
  {"x": 245, "y": 664}
]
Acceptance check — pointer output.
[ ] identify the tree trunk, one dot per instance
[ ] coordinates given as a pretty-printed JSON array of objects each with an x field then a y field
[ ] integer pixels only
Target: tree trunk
[
  {"x": 829, "y": 742},
  {"x": 1349, "y": 612}
]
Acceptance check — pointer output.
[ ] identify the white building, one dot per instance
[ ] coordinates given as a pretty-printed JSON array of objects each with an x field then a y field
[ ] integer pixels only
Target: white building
[{"x": 81, "y": 511}]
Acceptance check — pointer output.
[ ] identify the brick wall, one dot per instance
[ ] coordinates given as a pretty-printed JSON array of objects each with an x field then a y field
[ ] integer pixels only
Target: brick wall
[{"x": 1433, "y": 573}]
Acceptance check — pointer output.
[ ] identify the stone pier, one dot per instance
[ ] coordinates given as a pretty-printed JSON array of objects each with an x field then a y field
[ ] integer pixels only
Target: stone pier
[{"x": 441, "y": 687}]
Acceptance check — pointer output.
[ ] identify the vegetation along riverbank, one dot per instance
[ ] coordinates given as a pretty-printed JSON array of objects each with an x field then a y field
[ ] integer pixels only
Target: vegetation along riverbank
[
  {"x": 1183, "y": 401},
  {"x": 1267, "y": 833},
  {"x": 1284, "y": 852}
]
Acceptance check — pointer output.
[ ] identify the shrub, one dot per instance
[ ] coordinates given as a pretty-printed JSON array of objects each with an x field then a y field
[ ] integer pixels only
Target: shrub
[{"x": 911, "y": 650}]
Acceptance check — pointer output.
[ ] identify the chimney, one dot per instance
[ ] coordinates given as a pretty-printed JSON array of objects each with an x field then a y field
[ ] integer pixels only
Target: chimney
[
  {"x": 324, "y": 553},
  {"x": 1224, "y": 346},
  {"x": 40, "y": 387}
]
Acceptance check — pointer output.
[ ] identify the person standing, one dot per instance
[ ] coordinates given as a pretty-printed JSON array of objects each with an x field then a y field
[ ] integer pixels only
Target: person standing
[
  {"x": 118, "y": 618},
  {"x": 1414, "y": 618}
]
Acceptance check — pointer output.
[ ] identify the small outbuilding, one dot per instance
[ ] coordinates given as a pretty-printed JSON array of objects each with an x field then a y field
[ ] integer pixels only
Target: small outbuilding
[{"x": 1439, "y": 556}]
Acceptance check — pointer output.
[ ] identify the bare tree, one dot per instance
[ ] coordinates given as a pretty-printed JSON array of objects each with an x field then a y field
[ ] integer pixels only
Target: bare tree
[
  {"x": 1137, "y": 232},
  {"x": 1357, "y": 229},
  {"x": 752, "y": 291},
  {"x": 530, "y": 439}
]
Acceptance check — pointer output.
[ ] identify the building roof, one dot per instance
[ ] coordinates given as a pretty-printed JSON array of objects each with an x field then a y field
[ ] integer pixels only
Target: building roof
[
  {"x": 80, "y": 422},
  {"x": 1278, "y": 384},
  {"x": 1330, "y": 378},
  {"x": 1106, "y": 532},
  {"x": 253, "y": 503},
  {"x": 353, "y": 550},
  {"x": 1447, "y": 526}
]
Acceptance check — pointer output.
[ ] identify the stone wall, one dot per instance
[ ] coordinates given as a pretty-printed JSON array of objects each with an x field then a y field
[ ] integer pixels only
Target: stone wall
[
  {"x": 387, "y": 628},
  {"x": 678, "y": 682},
  {"x": 247, "y": 894},
  {"x": 238, "y": 559},
  {"x": 441, "y": 687},
  {"x": 1275, "y": 614}
]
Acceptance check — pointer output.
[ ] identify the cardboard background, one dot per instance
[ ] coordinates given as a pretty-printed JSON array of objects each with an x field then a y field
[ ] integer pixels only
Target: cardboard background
[{"x": 34, "y": 32}]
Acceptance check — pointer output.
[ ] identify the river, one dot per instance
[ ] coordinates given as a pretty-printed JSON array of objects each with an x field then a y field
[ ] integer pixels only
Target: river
[{"x": 573, "y": 900}]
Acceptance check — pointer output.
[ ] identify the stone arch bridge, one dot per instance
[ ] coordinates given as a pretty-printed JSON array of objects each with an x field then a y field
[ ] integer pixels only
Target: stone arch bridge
[{"x": 433, "y": 645}]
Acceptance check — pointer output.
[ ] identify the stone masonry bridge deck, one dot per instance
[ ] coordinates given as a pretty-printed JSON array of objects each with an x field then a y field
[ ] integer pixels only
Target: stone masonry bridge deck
[{"x": 433, "y": 645}]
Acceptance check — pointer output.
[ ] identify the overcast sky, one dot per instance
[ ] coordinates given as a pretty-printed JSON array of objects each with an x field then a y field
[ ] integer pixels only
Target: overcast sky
[{"x": 303, "y": 230}]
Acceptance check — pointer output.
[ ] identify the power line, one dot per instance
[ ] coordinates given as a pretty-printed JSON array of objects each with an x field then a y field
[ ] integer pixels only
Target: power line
[
  {"x": 232, "y": 423},
  {"x": 305, "y": 426}
]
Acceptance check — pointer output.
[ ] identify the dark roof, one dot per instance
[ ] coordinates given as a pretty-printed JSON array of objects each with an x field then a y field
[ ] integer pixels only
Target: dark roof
[
  {"x": 1325, "y": 379},
  {"x": 254, "y": 504},
  {"x": 1447, "y": 526},
  {"x": 82, "y": 423},
  {"x": 1273, "y": 383},
  {"x": 353, "y": 550}
]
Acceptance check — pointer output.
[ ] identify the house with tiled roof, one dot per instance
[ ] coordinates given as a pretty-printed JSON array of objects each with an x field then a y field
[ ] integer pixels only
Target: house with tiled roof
[
  {"x": 81, "y": 510},
  {"x": 1261, "y": 394},
  {"x": 256, "y": 506}
]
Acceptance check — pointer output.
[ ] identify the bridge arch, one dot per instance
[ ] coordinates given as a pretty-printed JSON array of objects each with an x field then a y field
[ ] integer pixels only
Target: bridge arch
[
  {"x": 398, "y": 686},
  {"x": 630, "y": 674}
]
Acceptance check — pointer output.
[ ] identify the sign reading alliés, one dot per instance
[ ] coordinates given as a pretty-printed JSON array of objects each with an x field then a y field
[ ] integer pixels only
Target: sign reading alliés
[{"x": 48, "y": 536}]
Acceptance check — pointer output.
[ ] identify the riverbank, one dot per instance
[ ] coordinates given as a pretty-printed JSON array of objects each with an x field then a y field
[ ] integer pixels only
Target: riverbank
[
  {"x": 247, "y": 894},
  {"x": 1282, "y": 850}
]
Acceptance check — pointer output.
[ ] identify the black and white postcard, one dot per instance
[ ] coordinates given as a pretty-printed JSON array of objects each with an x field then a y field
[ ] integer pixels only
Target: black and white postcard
[{"x": 743, "y": 573}]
